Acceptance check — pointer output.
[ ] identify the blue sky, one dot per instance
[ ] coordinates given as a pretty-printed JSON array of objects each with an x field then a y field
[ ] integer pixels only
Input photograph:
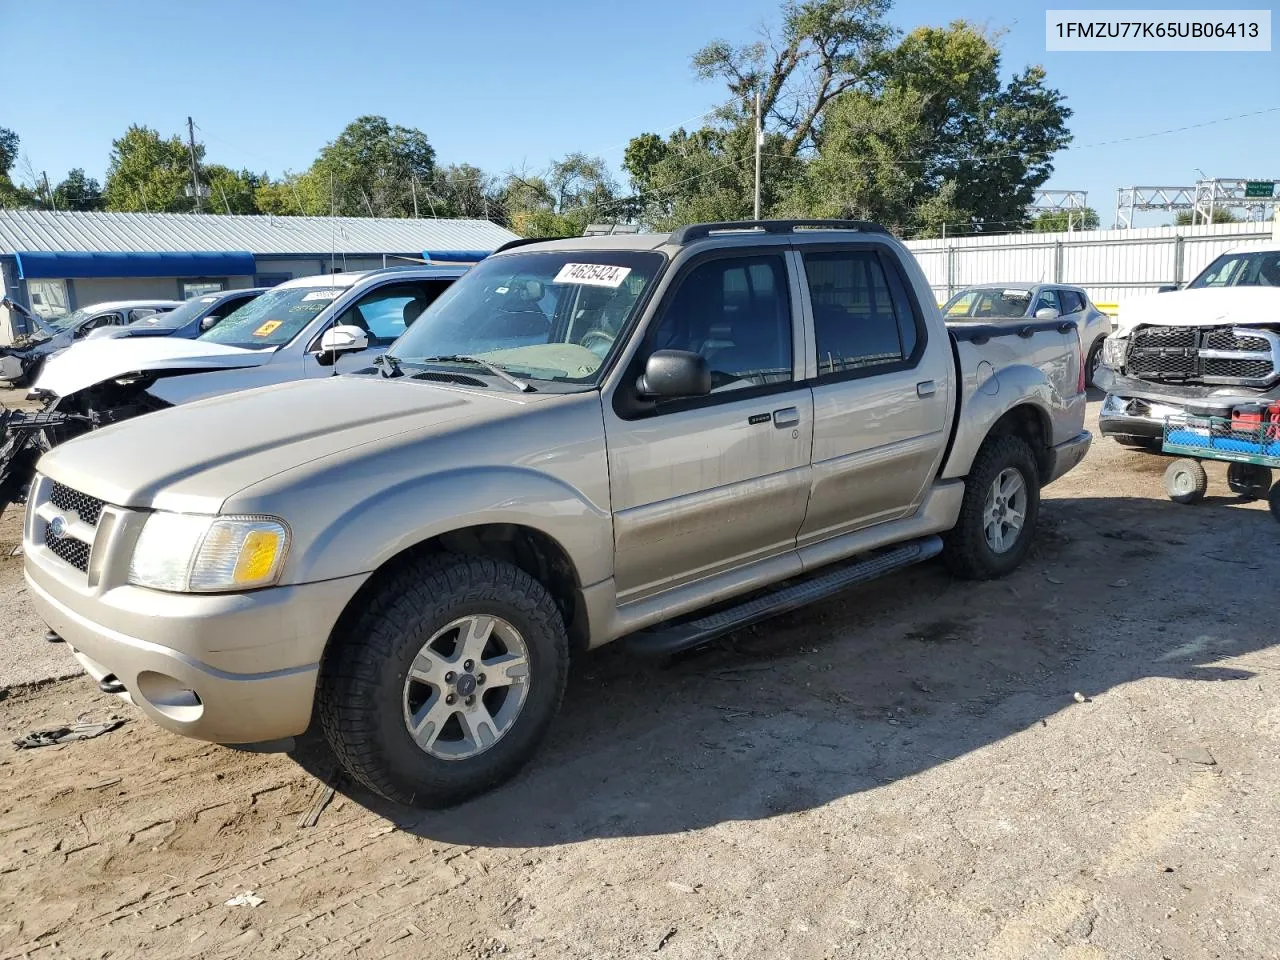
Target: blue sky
[{"x": 513, "y": 83}]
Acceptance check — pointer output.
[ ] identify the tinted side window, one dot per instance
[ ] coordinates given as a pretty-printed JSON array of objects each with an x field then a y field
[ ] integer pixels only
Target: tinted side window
[
  {"x": 861, "y": 316},
  {"x": 1048, "y": 298},
  {"x": 737, "y": 314},
  {"x": 1072, "y": 302}
]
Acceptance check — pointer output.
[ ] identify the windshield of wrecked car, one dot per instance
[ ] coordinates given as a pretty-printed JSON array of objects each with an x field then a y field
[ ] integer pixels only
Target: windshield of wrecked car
[
  {"x": 67, "y": 321},
  {"x": 539, "y": 315},
  {"x": 1261, "y": 269},
  {"x": 987, "y": 304},
  {"x": 175, "y": 318},
  {"x": 272, "y": 319}
]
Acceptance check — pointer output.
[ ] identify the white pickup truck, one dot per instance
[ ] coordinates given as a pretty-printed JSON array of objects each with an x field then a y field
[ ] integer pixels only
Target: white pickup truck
[
  {"x": 1204, "y": 350},
  {"x": 661, "y": 438}
]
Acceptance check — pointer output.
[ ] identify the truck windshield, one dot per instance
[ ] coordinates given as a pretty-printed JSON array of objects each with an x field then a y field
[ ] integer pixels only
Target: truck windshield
[
  {"x": 1259, "y": 269},
  {"x": 272, "y": 319},
  {"x": 551, "y": 315}
]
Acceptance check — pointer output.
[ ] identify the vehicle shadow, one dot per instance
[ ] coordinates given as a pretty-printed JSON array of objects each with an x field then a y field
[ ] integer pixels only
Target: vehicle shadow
[{"x": 882, "y": 682}]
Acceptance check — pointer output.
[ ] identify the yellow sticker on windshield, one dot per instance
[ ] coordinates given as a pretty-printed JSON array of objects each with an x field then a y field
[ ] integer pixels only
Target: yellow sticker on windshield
[{"x": 267, "y": 328}]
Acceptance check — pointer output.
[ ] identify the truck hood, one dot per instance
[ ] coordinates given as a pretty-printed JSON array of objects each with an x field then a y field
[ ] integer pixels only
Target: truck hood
[
  {"x": 1201, "y": 308},
  {"x": 193, "y": 457},
  {"x": 94, "y": 361}
]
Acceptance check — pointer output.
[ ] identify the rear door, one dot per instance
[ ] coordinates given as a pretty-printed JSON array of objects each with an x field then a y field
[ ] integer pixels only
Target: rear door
[
  {"x": 881, "y": 390},
  {"x": 709, "y": 484}
]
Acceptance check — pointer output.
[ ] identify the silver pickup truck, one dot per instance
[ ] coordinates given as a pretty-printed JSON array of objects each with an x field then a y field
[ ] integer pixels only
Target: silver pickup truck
[{"x": 660, "y": 438}]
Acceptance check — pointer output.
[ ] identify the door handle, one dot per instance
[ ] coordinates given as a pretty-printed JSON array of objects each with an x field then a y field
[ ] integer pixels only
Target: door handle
[
  {"x": 786, "y": 417},
  {"x": 926, "y": 388}
]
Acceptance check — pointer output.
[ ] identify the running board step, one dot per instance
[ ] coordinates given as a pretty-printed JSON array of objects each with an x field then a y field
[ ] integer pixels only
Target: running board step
[{"x": 666, "y": 639}]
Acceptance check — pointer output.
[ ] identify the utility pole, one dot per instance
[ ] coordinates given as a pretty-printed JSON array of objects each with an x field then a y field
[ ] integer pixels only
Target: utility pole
[
  {"x": 49, "y": 193},
  {"x": 195, "y": 177},
  {"x": 413, "y": 186},
  {"x": 759, "y": 143}
]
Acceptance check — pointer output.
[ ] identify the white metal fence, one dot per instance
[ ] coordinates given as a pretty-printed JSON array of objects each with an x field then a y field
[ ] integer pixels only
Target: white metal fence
[{"x": 1110, "y": 264}]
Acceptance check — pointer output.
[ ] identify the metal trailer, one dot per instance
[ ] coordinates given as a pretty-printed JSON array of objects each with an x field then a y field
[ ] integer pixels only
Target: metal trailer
[{"x": 1250, "y": 452}]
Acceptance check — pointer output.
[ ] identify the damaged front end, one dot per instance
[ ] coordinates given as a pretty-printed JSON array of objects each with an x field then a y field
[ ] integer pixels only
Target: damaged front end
[{"x": 25, "y": 435}]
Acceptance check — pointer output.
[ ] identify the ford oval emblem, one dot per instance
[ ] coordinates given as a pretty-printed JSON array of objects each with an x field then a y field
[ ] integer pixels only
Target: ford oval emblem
[{"x": 57, "y": 526}]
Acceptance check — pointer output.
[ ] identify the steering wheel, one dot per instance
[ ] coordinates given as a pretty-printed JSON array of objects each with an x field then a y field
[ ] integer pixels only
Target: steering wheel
[{"x": 603, "y": 336}]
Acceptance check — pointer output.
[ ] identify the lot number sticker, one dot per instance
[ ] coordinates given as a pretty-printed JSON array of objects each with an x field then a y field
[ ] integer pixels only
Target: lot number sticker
[
  {"x": 592, "y": 274},
  {"x": 267, "y": 328},
  {"x": 318, "y": 295}
]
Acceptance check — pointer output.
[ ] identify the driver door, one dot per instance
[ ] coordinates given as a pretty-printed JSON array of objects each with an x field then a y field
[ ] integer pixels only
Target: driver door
[{"x": 709, "y": 484}]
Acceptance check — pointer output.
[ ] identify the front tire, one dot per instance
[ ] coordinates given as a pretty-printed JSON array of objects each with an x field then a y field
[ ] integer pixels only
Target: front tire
[
  {"x": 998, "y": 514},
  {"x": 1248, "y": 480},
  {"x": 1093, "y": 361},
  {"x": 444, "y": 684}
]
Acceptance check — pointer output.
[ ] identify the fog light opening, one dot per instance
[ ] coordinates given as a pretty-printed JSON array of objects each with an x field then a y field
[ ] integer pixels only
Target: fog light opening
[{"x": 169, "y": 696}]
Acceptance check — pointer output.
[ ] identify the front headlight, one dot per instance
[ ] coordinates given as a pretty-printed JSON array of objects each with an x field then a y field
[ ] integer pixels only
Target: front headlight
[
  {"x": 185, "y": 552},
  {"x": 1113, "y": 351}
]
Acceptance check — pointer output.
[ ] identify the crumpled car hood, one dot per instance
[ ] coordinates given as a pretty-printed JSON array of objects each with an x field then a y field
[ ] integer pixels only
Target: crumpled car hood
[
  {"x": 95, "y": 361},
  {"x": 1206, "y": 307}
]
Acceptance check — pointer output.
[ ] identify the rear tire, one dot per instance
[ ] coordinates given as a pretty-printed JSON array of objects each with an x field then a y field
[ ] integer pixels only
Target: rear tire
[
  {"x": 1249, "y": 480},
  {"x": 979, "y": 546},
  {"x": 1273, "y": 501},
  {"x": 1185, "y": 481},
  {"x": 384, "y": 704}
]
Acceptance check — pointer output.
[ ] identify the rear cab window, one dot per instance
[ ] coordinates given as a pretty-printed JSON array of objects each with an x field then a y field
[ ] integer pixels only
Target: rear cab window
[{"x": 863, "y": 318}]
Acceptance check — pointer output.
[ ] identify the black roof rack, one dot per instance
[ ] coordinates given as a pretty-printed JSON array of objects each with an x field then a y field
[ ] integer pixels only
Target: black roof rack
[
  {"x": 697, "y": 231},
  {"x": 521, "y": 242}
]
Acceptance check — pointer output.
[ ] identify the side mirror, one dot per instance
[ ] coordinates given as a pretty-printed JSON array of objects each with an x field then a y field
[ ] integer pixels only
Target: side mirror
[
  {"x": 669, "y": 374},
  {"x": 1167, "y": 288},
  {"x": 1047, "y": 313},
  {"x": 208, "y": 323},
  {"x": 344, "y": 338}
]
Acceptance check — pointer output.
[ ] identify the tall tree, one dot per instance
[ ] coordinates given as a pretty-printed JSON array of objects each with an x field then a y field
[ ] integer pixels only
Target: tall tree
[
  {"x": 375, "y": 169},
  {"x": 78, "y": 192},
  {"x": 574, "y": 191},
  {"x": 149, "y": 173},
  {"x": 11, "y": 194},
  {"x": 463, "y": 190}
]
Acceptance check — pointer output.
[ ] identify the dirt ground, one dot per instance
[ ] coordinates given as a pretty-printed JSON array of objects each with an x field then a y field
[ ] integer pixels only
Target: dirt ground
[{"x": 903, "y": 771}]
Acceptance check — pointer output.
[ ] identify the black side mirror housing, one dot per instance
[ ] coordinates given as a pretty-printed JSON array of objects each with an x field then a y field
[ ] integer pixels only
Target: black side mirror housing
[
  {"x": 669, "y": 374},
  {"x": 1167, "y": 288}
]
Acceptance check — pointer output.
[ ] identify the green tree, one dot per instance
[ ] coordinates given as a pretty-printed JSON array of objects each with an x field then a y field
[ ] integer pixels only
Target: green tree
[
  {"x": 574, "y": 191},
  {"x": 463, "y": 190},
  {"x": 231, "y": 191},
  {"x": 1220, "y": 215},
  {"x": 11, "y": 194},
  {"x": 1057, "y": 221},
  {"x": 148, "y": 173},
  {"x": 374, "y": 169},
  {"x": 78, "y": 192}
]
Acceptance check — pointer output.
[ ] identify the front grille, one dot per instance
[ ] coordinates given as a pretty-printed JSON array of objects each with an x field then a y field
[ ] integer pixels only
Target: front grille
[
  {"x": 1175, "y": 354},
  {"x": 1223, "y": 338},
  {"x": 1237, "y": 369},
  {"x": 87, "y": 508},
  {"x": 68, "y": 549}
]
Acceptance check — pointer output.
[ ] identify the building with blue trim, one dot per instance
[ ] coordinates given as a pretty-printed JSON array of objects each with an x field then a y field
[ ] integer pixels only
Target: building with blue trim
[{"x": 52, "y": 263}]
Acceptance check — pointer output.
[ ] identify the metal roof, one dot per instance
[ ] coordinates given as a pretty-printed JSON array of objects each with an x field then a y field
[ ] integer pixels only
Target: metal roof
[{"x": 48, "y": 231}]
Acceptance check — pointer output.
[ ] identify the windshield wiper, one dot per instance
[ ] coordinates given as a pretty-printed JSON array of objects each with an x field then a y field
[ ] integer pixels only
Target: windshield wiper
[
  {"x": 390, "y": 365},
  {"x": 522, "y": 385}
]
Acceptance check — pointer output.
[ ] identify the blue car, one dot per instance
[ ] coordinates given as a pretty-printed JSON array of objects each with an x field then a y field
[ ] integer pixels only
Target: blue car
[{"x": 188, "y": 321}]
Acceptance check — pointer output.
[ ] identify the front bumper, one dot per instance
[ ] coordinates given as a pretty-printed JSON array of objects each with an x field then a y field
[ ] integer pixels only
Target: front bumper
[
  {"x": 229, "y": 668},
  {"x": 1135, "y": 410}
]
